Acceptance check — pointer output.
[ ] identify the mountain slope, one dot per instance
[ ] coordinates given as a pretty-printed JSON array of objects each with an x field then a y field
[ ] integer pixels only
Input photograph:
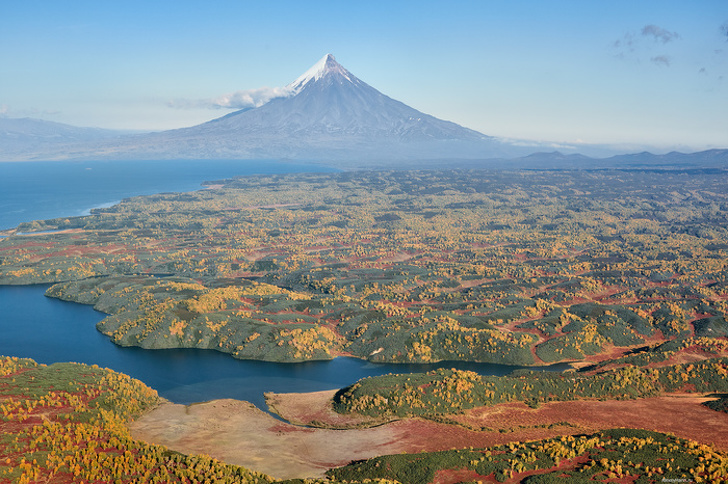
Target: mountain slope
[
  {"x": 18, "y": 134},
  {"x": 327, "y": 114},
  {"x": 328, "y": 99}
]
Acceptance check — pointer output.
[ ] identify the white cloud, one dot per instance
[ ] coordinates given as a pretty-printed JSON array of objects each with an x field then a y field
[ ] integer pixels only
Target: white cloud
[{"x": 251, "y": 98}]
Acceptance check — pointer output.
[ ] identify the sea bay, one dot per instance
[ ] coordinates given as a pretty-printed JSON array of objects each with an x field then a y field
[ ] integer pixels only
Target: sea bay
[{"x": 43, "y": 190}]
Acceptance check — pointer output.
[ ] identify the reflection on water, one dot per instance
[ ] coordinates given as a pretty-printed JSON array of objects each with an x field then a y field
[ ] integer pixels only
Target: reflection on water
[{"x": 49, "y": 330}]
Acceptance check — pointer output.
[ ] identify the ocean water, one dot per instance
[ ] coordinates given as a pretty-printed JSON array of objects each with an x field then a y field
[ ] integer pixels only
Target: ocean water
[
  {"x": 49, "y": 330},
  {"x": 44, "y": 190}
]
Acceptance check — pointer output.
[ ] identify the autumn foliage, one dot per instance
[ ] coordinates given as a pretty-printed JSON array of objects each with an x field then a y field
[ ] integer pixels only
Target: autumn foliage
[{"x": 68, "y": 423}]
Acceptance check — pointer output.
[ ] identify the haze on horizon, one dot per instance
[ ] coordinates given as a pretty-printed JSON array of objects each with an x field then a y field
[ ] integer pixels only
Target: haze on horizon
[{"x": 639, "y": 75}]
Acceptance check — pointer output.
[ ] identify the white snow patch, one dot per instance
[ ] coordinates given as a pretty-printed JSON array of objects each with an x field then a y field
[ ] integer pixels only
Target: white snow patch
[{"x": 326, "y": 65}]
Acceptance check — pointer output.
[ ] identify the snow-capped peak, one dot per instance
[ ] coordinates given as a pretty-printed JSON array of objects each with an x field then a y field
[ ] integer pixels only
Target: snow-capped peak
[{"x": 327, "y": 65}]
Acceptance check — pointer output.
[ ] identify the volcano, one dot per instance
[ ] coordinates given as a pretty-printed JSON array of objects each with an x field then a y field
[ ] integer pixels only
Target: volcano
[
  {"x": 328, "y": 103},
  {"x": 327, "y": 114}
]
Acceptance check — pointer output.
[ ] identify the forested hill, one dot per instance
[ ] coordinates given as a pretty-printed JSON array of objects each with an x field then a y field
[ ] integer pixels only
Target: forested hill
[{"x": 508, "y": 267}]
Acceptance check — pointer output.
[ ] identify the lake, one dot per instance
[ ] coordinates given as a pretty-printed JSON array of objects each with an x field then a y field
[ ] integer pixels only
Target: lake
[{"x": 49, "y": 330}]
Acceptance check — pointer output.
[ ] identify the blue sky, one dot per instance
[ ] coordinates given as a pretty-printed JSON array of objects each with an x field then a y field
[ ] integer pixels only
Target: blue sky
[{"x": 650, "y": 73}]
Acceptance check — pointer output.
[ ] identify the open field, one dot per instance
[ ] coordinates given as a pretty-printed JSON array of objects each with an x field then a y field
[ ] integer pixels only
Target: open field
[{"x": 238, "y": 433}]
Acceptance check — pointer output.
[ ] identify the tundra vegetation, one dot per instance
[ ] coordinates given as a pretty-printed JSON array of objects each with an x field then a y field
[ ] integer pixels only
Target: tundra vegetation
[
  {"x": 448, "y": 391},
  {"x": 623, "y": 271},
  {"x": 525, "y": 268},
  {"x": 68, "y": 423},
  {"x": 619, "y": 455}
]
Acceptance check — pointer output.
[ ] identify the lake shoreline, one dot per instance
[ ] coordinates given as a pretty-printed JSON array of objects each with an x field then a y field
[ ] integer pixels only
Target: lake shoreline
[{"x": 50, "y": 330}]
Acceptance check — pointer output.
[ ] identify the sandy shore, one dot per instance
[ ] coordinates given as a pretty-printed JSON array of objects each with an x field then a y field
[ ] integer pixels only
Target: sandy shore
[{"x": 239, "y": 433}]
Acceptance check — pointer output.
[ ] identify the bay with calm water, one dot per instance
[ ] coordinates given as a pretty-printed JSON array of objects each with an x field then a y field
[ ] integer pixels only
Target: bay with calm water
[
  {"x": 43, "y": 190},
  {"x": 49, "y": 330}
]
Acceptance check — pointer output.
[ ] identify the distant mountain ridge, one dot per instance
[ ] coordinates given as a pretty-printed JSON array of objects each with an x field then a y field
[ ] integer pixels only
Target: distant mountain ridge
[
  {"x": 17, "y": 134},
  {"x": 674, "y": 160},
  {"x": 326, "y": 115}
]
